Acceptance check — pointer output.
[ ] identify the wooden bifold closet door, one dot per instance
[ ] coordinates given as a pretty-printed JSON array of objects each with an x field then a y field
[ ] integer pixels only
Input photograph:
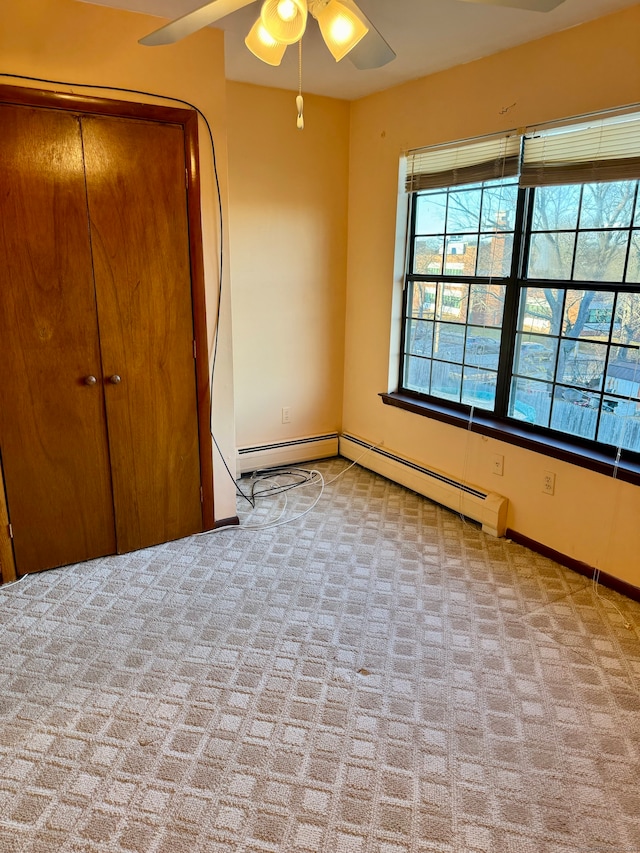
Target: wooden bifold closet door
[{"x": 98, "y": 404}]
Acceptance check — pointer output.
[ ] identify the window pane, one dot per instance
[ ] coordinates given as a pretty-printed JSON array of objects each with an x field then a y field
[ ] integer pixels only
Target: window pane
[
  {"x": 530, "y": 401},
  {"x": 427, "y": 257},
  {"x": 452, "y": 302},
  {"x": 486, "y": 304},
  {"x": 619, "y": 429},
  {"x": 461, "y": 251},
  {"x": 600, "y": 255},
  {"x": 633, "y": 268},
  {"x": 555, "y": 208},
  {"x": 499, "y": 208},
  {"x": 535, "y": 356},
  {"x": 575, "y": 412},
  {"x": 626, "y": 322},
  {"x": 541, "y": 310},
  {"x": 446, "y": 379},
  {"x": 581, "y": 364},
  {"x": 479, "y": 388},
  {"x": 448, "y": 341},
  {"x": 587, "y": 314},
  {"x": 623, "y": 373},
  {"x": 463, "y": 215},
  {"x": 431, "y": 211},
  {"x": 417, "y": 372},
  {"x": 423, "y": 299},
  {"x": 482, "y": 348},
  {"x": 494, "y": 255},
  {"x": 551, "y": 256},
  {"x": 419, "y": 337},
  {"x": 607, "y": 205}
]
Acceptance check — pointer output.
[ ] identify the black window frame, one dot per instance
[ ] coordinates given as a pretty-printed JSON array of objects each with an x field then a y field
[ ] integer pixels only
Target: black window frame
[{"x": 585, "y": 452}]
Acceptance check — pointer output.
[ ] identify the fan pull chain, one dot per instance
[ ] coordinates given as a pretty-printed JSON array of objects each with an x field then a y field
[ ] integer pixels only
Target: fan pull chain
[{"x": 299, "y": 100}]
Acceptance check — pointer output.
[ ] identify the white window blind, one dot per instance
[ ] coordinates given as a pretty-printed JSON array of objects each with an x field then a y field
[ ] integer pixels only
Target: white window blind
[
  {"x": 465, "y": 163},
  {"x": 603, "y": 149}
]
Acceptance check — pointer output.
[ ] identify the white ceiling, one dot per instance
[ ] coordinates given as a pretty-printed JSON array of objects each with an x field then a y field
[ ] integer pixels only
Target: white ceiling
[{"x": 427, "y": 36}]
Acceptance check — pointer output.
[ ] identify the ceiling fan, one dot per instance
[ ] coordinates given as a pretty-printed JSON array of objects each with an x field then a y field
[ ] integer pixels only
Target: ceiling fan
[
  {"x": 343, "y": 25},
  {"x": 345, "y": 28}
]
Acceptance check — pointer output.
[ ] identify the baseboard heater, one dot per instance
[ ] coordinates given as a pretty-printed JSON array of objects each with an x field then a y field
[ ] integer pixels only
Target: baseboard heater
[
  {"x": 286, "y": 452},
  {"x": 488, "y": 508}
]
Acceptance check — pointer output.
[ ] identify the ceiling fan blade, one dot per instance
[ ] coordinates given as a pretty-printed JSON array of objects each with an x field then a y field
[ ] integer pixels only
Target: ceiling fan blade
[
  {"x": 530, "y": 5},
  {"x": 372, "y": 51},
  {"x": 193, "y": 21}
]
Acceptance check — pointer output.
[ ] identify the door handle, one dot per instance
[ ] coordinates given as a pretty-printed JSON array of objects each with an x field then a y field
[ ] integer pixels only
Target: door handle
[
  {"x": 115, "y": 379},
  {"x": 90, "y": 380}
]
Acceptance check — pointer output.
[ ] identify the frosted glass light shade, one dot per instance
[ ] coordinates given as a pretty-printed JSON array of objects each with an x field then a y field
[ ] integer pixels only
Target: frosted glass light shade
[
  {"x": 284, "y": 20},
  {"x": 340, "y": 28},
  {"x": 263, "y": 46}
]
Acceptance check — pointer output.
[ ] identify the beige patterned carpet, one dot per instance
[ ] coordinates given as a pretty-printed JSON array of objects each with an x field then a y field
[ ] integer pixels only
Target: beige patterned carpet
[{"x": 376, "y": 677}]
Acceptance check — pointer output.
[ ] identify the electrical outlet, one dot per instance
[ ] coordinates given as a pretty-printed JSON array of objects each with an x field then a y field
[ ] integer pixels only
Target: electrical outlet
[
  {"x": 498, "y": 464},
  {"x": 286, "y": 414},
  {"x": 548, "y": 483}
]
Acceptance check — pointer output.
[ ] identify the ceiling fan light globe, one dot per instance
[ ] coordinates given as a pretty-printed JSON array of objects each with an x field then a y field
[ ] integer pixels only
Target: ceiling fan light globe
[
  {"x": 284, "y": 30},
  {"x": 340, "y": 28},
  {"x": 263, "y": 46}
]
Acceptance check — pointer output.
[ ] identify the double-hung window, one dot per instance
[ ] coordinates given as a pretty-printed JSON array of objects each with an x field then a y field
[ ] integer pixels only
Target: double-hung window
[{"x": 522, "y": 288}]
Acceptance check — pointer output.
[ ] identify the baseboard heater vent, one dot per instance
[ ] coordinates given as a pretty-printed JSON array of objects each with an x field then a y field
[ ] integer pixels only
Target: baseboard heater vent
[
  {"x": 286, "y": 452},
  {"x": 488, "y": 508}
]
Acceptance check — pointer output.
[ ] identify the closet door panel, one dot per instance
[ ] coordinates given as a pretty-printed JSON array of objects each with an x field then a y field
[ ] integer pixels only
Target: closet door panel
[
  {"x": 52, "y": 424},
  {"x": 137, "y": 204}
]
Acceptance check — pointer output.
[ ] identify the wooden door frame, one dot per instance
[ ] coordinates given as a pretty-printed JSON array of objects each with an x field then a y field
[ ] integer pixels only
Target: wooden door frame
[
  {"x": 7, "y": 560},
  {"x": 188, "y": 120}
]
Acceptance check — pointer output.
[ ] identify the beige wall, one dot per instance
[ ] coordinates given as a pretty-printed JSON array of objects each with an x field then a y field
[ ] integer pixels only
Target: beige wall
[
  {"x": 64, "y": 40},
  {"x": 596, "y": 66},
  {"x": 288, "y": 217}
]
